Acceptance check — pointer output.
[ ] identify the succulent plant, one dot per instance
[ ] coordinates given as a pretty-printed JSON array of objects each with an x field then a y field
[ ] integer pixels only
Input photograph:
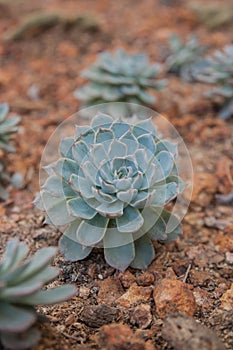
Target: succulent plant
[
  {"x": 120, "y": 77},
  {"x": 218, "y": 70},
  {"x": 21, "y": 281},
  {"x": 184, "y": 56},
  {"x": 8, "y": 126},
  {"x": 110, "y": 187}
]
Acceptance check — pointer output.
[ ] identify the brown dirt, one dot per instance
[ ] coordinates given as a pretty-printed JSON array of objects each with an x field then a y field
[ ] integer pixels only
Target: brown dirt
[{"x": 52, "y": 59}]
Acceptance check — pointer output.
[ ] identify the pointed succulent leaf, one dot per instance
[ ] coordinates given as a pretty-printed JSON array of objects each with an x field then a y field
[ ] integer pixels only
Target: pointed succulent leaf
[
  {"x": 78, "y": 207},
  {"x": 130, "y": 221},
  {"x": 98, "y": 154},
  {"x": 142, "y": 198},
  {"x": 20, "y": 290},
  {"x": 15, "y": 318},
  {"x": 65, "y": 167},
  {"x": 119, "y": 128},
  {"x": 4, "y": 110},
  {"x": 56, "y": 209},
  {"x": 81, "y": 185},
  {"x": 158, "y": 231},
  {"x": 80, "y": 151},
  {"x": 117, "y": 149},
  {"x": 50, "y": 296},
  {"x": 173, "y": 226},
  {"x": 144, "y": 253},
  {"x": 102, "y": 120},
  {"x": 112, "y": 210},
  {"x": 148, "y": 142},
  {"x": 15, "y": 252},
  {"x": 167, "y": 146},
  {"x": 107, "y": 187},
  {"x": 21, "y": 341},
  {"x": 164, "y": 194},
  {"x": 91, "y": 232},
  {"x": 37, "y": 263},
  {"x": 130, "y": 141},
  {"x": 66, "y": 147},
  {"x": 127, "y": 196},
  {"x": 120, "y": 257},
  {"x": 70, "y": 248},
  {"x": 58, "y": 188},
  {"x": 163, "y": 162}
]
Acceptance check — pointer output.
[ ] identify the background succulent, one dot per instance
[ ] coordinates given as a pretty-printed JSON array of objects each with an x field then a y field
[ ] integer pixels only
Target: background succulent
[
  {"x": 184, "y": 56},
  {"x": 110, "y": 187},
  {"x": 4, "y": 180},
  {"x": 218, "y": 70},
  {"x": 20, "y": 290},
  {"x": 8, "y": 126},
  {"x": 119, "y": 77}
]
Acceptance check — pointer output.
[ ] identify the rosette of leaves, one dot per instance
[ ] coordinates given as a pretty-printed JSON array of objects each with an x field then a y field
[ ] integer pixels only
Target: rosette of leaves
[
  {"x": 184, "y": 56},
  {"x": 21, "y": 281},
  {"x": 218, "y": 70},
  {"x": 8, "y": 126},
  {"x": 120, "y": 77},
  {"x": 110, "y": 187}
]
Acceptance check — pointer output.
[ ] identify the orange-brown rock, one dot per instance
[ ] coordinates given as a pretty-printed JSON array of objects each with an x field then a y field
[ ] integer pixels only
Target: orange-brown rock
[
  {"x": 121, "y": 337},
  {"x": 134, "y": 295},
  {"x": 172, "y": 296},
  {"x": 227, "y": 299}
]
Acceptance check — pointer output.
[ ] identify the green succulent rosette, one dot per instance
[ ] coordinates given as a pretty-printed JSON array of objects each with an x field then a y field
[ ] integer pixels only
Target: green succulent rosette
[
  {"x": 109, "y": 188},
  {"x": 119, "y": 76},
  {"x": 218, "y": 69},
  {"x": 21, "y": 281}
]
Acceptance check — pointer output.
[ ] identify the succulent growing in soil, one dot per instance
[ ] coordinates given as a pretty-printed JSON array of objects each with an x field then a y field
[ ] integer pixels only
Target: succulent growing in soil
[
  {"x": 8, "y": 126},
  {"x": 218, "y": 70},
  {"x": 21, "y": 281},
  {"x": 119, "y": 77},
  {"x": 184, "y": 56},
  {"x": 110, "y": 188}
]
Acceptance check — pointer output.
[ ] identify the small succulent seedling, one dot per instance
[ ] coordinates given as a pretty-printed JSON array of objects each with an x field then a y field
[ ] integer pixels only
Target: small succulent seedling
[
  {"x": 8, "y": 126},
  {"x": 218, "y": 70},
  {"x": 119, "y": 77},
  {"x": 184, "y": 56},
  {"x": 21, "y": 281},
  {"x": 110, "y": 187}
]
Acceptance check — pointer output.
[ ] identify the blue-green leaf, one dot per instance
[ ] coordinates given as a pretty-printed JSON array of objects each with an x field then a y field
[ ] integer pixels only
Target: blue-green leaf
[
  {"x": 66, "y": 147},
  {"x": 144, "y": 253},
  {"x": 120, "y": 257},
  {"x": 130, "y": 221},
  {"x": 127, "y": 196},
  {"x": 65, "y": 167},
  {"x": 164, "y": 194},
  {"x": 15, "y": 318},
  {"x": 102, "y": 120},
  {"x": 56, "y": 209},
  {"x": 80, "y": 151},
  {"x": 79, "y": 208},
  {"x": 117, "y": 149},
  {"x": 112, "y": 210},
  {"x": 70, "y": 248},
  {"x": 92, "y": 231},
  {"x": 58, "y": 188}
]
